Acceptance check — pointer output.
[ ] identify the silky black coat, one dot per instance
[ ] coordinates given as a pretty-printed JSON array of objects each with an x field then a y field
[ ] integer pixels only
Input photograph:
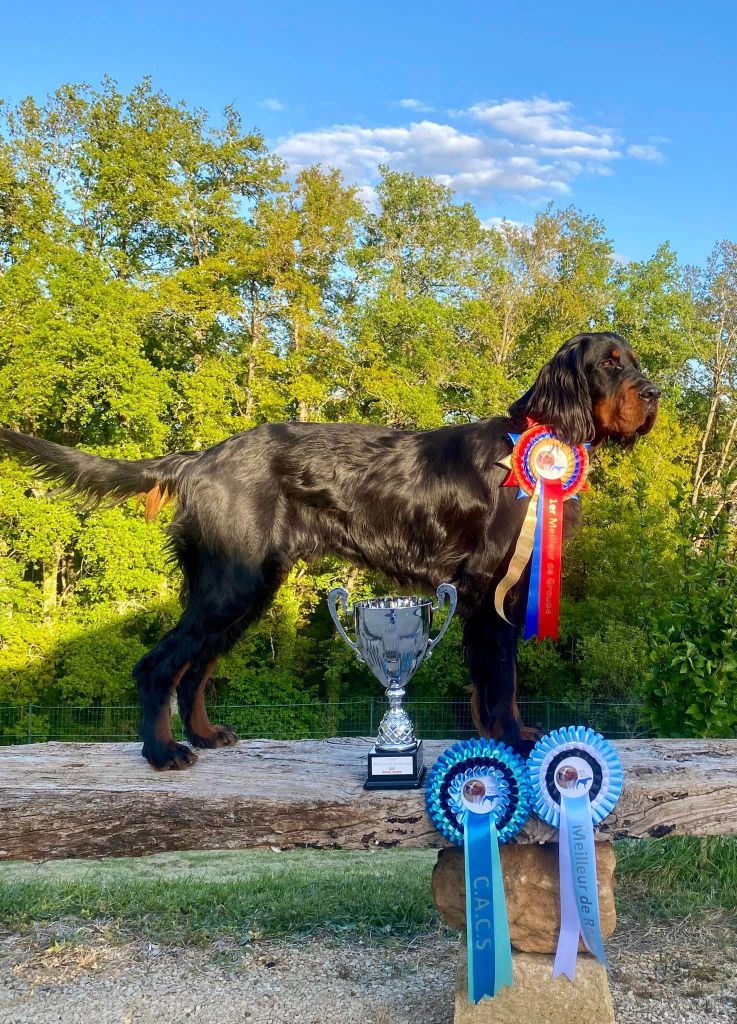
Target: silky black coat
[{"x": 424, "y": 507}]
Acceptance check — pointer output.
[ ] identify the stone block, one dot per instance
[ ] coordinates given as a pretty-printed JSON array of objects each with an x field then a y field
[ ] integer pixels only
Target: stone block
[
  {"x": 531, "y": 886},
  {"x": 538, "y": 998}
]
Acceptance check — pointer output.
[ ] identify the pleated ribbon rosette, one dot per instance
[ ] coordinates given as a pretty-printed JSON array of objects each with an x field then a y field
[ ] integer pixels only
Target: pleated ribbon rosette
[
  {"x": 549, "y": 472},
  {"x": 576, "y": 779},
  {"x": 478, "y": 796}
]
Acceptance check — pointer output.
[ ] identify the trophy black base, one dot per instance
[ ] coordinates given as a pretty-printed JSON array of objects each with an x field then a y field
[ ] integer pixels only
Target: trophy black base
[{"x": 394, "y": 769}]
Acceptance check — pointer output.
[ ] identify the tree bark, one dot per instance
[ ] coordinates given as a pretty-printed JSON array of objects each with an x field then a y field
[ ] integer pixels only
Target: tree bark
[
  {"x": 50, "y": 584},
  {"x": 103, "y": 799}
]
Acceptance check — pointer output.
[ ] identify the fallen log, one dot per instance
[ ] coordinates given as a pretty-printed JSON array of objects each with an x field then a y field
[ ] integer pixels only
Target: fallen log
[{"x": 103, "y": 799}]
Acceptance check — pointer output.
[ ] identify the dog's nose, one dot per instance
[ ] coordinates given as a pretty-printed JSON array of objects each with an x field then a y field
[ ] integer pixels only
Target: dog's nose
[{"x": 649, "y": 392}]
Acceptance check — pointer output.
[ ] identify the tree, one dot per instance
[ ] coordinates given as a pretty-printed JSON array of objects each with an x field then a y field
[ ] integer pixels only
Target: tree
[
  {"x": 714, "y": 376},
  {"x": 164, "y": 284}
]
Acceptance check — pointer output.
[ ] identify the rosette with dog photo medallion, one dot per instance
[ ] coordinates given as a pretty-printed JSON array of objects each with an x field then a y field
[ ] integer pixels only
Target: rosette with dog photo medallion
[
  {"x": 576, "y": 779},
  {"x": 549, "y": 472},
  {"x": 478, "y": 796}
]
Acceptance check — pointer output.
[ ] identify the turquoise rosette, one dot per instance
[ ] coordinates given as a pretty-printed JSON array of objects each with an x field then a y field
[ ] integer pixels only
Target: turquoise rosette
[
  {"x": 483, "y": 759},
  {"x": 478, "y": 796}
]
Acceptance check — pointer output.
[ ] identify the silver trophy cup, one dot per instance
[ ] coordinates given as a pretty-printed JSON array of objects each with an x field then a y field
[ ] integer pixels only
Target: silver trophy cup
[{"x": 393, "y": 639}]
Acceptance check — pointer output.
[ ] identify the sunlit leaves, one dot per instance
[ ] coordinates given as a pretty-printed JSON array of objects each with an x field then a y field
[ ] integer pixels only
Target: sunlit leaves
[{"x": 163, "y": 285}]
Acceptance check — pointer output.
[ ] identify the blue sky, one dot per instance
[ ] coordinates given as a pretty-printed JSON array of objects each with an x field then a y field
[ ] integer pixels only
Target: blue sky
[{"x": 627, "y": 110}]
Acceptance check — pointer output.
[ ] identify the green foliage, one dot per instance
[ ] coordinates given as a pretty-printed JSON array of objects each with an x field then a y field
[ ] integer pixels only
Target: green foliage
[
  {"x": 677, "y": 877},
  {"x": 692, "y": 682},
  {"x": 164, "y": 285}
]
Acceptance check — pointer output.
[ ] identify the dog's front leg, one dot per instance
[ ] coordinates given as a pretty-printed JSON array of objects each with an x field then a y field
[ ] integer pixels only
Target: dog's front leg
[{"x": 490, "y": 646}]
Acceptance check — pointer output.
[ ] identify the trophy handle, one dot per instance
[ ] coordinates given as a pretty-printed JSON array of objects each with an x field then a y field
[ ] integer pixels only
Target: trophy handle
[
  {"x": 445, "y": 590},
  {"x": 340, "y": 594}
]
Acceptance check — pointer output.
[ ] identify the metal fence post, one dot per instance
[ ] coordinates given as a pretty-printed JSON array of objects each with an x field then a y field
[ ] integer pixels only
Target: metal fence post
[
  {"x": 371, "y": 717},
  {"x": 30, "y": 723}
]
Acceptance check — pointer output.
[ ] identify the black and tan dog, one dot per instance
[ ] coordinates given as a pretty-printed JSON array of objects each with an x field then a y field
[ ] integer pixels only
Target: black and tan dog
[{"x": 424, "y": 507}]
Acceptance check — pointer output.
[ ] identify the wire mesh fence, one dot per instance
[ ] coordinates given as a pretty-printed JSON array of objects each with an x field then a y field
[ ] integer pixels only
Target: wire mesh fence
[{"x": 450, "y": 719}]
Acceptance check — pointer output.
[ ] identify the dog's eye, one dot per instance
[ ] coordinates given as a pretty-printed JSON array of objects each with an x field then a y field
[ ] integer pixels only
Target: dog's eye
[{"x": 611, "y": 364}]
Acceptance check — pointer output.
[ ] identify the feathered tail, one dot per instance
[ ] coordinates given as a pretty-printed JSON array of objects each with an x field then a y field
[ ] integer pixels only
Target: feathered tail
[{"x": 97, "y": 478}]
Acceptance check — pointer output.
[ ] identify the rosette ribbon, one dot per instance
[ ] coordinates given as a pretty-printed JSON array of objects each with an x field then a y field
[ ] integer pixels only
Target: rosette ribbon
[
  {"x": 575, "y": 779},
  {"x": 548, "y": 472},
  {"x": 478, "y": 796}
]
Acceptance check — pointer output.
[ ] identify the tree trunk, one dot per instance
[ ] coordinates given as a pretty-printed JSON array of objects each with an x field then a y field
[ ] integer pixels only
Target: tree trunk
[
  {"x": 255, "y": 328},
  {"x": 103, "y": 799},
  {"x": 303, "y": 410},
  {"x": 50, "y": 582}
]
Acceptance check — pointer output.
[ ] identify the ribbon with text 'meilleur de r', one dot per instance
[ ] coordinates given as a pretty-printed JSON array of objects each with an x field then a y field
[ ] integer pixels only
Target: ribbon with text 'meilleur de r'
[
  {"x": 576, "y": 779},
  {"x": 548, "y": 472}
]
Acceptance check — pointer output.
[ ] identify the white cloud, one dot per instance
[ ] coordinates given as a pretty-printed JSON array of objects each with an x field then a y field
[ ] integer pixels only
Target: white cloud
[
  {"x": 471, "y": 164},
  {"x": 410, "y": 104},
  {"x": 273, "y": 104},
  {"x": 548, "y": 124},
  {"x": 648, "y": 152},
  {"x": 367, "y": 195},
  {"x": 501, "y": 222},
  {"x": 526, "y": 148}
]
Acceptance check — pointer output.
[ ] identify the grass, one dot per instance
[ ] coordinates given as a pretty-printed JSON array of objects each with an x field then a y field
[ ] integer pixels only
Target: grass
[
  {"x": 196, "y": 897},
  {"x": 669, "y": 879}
]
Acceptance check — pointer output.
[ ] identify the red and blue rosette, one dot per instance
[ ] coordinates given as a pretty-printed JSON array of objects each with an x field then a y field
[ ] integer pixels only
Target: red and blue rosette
[
  {"x": 576, "y": 779},
  {"x": 478, "y": 796},
  {"x": 549, "y": 472}
]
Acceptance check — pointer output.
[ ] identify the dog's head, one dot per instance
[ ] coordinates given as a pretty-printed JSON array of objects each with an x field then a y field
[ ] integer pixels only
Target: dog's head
[{"x": 592, "y": 390}]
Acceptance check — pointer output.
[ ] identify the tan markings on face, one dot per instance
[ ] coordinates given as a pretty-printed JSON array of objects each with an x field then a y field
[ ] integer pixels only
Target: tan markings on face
[
  {"x": 616, "y": 353},
  {"x": 624, "y": 412},
  {"x": 632, "y": 410}
]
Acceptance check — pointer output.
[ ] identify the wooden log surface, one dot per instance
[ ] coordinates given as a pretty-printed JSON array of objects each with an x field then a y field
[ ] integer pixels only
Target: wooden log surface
[{"x": 103, "y": 800}]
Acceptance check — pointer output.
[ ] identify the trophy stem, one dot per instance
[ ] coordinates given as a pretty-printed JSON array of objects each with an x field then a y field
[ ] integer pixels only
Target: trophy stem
[{"x": 396, "y": 732}]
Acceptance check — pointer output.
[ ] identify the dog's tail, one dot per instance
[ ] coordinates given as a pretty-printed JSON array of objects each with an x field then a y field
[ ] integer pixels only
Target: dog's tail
[{"x": 96, "y": 478}]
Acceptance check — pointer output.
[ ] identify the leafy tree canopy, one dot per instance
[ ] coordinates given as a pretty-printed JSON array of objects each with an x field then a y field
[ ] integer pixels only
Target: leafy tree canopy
[{"x": 164, "y": 284}]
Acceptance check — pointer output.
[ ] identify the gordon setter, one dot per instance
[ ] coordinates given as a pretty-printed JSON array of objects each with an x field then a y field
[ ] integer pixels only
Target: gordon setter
[{"x": 424, "y": 507}]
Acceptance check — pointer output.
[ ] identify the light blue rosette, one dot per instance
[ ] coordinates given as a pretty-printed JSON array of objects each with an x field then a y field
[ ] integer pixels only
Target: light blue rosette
[
  {"x": 478, "y": 795},
  {"x": 575, "y": 779}
]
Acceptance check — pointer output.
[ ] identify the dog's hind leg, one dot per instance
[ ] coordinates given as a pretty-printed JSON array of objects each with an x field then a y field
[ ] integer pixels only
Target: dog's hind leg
[
  {"x": 157, "y": 675},
  {"x": 191, "y": 697},
  {"x": 223, "y": 600},
  {"x": 191, "y": 690}
]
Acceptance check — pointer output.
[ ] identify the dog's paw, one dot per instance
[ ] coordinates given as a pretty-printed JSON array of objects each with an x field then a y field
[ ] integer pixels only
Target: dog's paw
[
  {"x": 170, "y": 756},
  {"x": 218, "y": 736},
  {"x": 522, "y": 747},
  {"x": 526, "y": 739}
]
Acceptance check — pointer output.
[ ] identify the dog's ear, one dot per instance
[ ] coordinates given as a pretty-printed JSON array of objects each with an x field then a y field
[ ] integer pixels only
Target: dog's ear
[{"x": 560, "y": 396}]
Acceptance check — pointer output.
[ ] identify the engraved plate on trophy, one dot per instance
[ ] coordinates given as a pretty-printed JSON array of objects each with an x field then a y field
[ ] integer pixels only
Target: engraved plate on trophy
[{"x": 393, "y": 639}]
